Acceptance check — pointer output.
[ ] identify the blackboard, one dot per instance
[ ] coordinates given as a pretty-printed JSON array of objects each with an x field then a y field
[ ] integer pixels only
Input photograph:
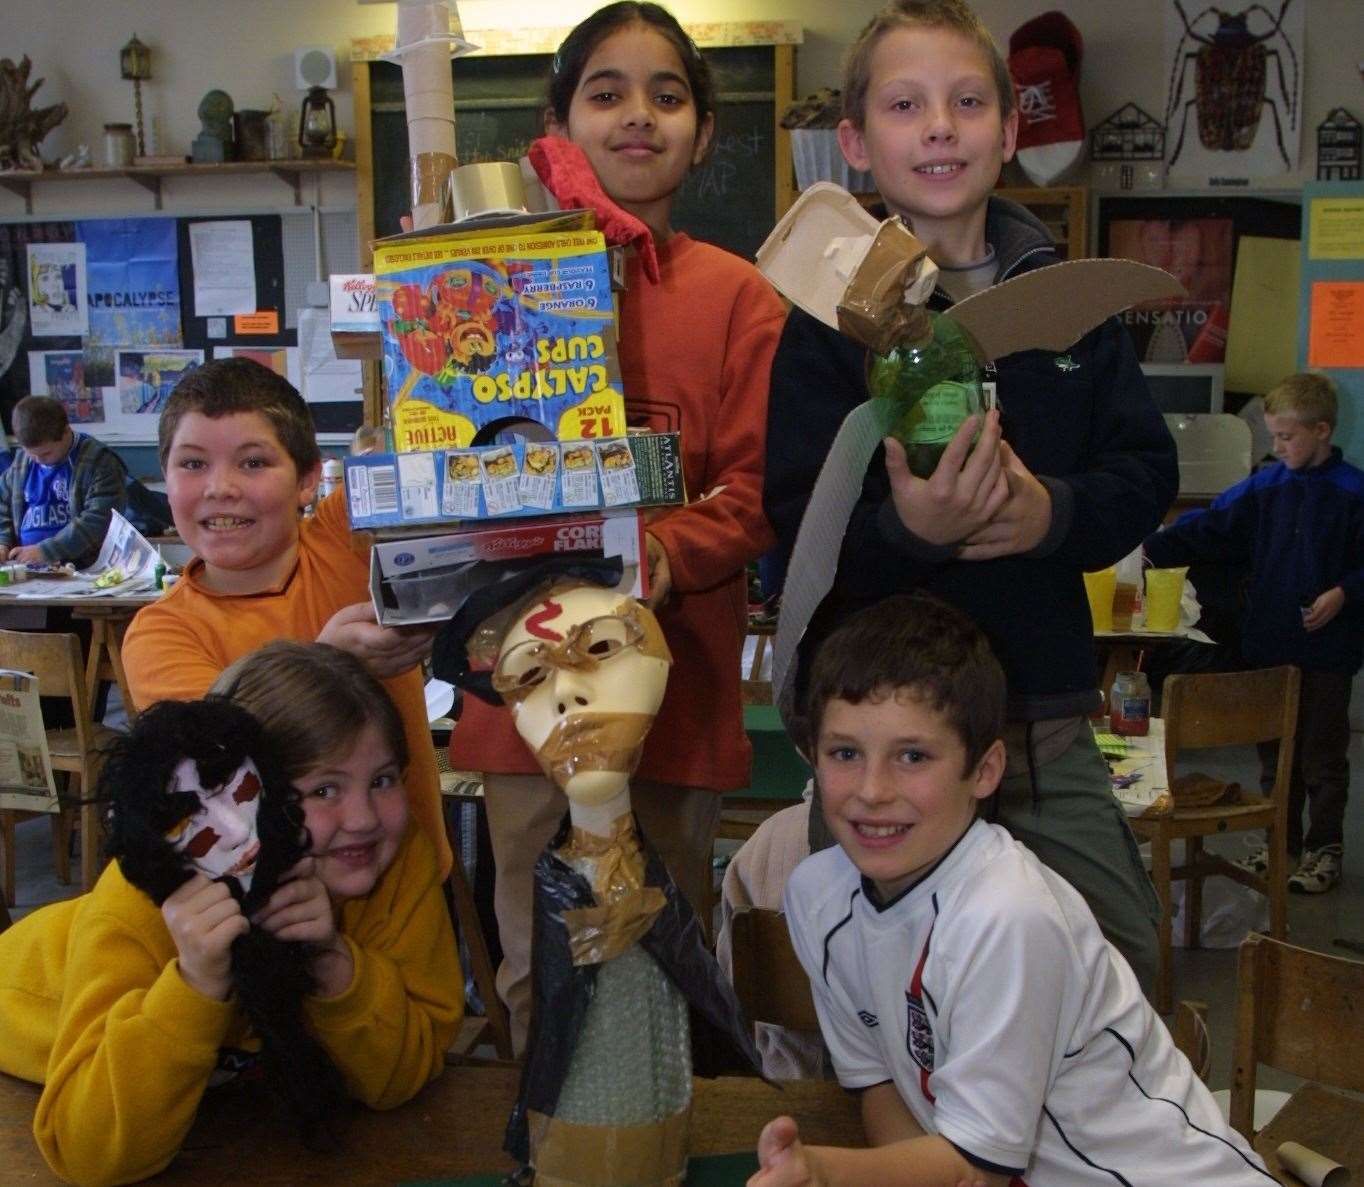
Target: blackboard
[{"x": 728, "y": 200}]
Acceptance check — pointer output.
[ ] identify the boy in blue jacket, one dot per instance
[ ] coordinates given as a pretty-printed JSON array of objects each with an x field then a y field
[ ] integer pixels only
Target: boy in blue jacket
[
  {"x": 1299, "y": 525},
  {"x": 1070, "y": 475}
]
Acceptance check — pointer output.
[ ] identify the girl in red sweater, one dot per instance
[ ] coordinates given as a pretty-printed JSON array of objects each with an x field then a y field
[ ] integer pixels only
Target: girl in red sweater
[{"x": 696, "y": 343}]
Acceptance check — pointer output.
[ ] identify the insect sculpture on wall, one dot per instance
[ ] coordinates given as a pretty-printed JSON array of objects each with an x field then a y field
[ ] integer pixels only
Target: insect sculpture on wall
[{"x": 1231, "y": 78}]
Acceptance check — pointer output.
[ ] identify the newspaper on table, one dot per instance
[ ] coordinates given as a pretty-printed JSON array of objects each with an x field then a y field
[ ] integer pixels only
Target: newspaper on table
[
  {"x": 26, "y": 782},
  {"x": 126, "y": 564}
]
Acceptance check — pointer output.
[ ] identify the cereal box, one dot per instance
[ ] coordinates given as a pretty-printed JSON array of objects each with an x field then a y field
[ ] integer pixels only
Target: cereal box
[{"x": 481, "y": 327}]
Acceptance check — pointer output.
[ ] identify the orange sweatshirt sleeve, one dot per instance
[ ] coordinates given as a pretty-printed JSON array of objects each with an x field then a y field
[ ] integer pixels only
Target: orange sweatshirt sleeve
[{"x": 723, "y": 527}]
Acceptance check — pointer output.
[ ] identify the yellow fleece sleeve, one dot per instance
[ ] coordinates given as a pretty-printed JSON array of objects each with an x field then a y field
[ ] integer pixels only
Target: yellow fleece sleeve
[
  {"x": 133, "y": 1052},
  {"x": 388, "y": 1032}
]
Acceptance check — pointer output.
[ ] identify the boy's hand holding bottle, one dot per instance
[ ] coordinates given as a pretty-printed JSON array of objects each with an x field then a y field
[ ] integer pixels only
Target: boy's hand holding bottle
[{"x": 964, "y": 492}]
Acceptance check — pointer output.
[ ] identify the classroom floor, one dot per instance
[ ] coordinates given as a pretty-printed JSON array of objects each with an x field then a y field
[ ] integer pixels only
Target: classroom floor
[{"x": 1207, "y": 975}]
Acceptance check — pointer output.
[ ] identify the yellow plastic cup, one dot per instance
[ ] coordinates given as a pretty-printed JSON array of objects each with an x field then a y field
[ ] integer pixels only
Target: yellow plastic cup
[
  {"x": 1164, "y": 588},
  {"x": 1100, "y": 587}
]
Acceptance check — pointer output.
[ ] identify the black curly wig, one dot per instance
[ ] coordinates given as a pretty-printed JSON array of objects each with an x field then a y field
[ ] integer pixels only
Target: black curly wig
[{"x": 270, "y": 977}]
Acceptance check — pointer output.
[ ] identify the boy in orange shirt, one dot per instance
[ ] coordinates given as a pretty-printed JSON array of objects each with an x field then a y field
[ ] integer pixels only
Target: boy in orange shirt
[{"x": 238, "y": 449}]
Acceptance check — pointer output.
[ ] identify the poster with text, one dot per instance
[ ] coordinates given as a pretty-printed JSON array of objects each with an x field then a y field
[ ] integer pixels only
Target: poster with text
[
  {"x": 145, "y": 381},
  {"x": 1233, "y": 110},
  {"x": 134, "y": 288},
  {"x": 57, "y": 289},
  {"x": 61, "y": 375},
  {"x": 1198, "y": 252}
]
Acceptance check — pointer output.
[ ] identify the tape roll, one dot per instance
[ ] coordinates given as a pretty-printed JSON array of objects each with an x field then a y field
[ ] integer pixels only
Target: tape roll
[{"x": 486, "y": 187}]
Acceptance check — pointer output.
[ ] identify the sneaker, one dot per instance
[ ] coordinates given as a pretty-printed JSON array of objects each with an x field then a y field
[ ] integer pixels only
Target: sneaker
[
  {"x": 1318, "y": 872},
  {"x": 1256, "y": 863}
]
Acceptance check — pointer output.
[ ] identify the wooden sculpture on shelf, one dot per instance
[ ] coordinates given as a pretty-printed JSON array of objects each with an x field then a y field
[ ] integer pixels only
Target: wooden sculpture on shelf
[{"x": 23, "y": 126}]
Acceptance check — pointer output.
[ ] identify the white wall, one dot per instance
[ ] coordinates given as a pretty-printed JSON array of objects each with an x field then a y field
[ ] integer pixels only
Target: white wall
[{"x": 245, "y": 47}]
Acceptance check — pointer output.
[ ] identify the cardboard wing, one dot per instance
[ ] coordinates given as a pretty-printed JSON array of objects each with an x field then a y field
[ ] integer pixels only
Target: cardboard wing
[{"x": 1052, "y": 308}]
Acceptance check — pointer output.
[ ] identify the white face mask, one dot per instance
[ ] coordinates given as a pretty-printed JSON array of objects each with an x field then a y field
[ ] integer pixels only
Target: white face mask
[
  {"x": 220, "y": 838},
  {"x": 587, "y": 713}
]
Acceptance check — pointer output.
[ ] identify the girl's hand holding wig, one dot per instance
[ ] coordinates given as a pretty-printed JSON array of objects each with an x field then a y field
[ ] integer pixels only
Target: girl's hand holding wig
[{"x": 203, "y": 820}]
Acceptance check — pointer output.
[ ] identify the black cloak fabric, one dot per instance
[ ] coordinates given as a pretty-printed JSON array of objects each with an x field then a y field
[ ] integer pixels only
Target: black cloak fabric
[{"x": 562, "y": 992}]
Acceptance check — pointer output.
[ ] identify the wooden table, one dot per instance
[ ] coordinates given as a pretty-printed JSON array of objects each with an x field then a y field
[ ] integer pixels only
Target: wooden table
[
  {"x": 109, "y": 618},
  {"x": 452, "y": 1128},
  {"x": 1321, "y": 1120}
]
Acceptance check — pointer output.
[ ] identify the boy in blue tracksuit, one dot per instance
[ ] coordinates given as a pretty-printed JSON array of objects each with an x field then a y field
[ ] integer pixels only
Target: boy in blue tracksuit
[
  {"x": 1071, "y": 474},
  {"x": 1299, "y": 524}
]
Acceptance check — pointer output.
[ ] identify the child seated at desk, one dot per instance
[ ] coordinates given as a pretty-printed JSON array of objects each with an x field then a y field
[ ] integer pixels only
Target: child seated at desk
[
  {"x": 963, "y": 987},
  {"x": 125, "y": 1013}
]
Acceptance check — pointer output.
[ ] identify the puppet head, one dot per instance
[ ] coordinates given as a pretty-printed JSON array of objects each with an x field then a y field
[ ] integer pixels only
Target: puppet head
[
  {"x": 194, "y": 786},
  {"x": 583, "y": 669}
]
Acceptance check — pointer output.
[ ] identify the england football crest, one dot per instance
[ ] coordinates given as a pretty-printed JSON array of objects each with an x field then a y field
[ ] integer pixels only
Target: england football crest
[{"x": 919, "y": 1035}]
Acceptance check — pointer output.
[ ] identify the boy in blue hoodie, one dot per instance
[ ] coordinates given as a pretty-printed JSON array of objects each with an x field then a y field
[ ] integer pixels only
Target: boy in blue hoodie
[{"x": 1299, "y": 525}]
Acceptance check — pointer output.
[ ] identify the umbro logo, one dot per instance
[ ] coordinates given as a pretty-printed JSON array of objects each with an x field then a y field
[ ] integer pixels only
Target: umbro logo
[{"x": 868, "y": 1020}]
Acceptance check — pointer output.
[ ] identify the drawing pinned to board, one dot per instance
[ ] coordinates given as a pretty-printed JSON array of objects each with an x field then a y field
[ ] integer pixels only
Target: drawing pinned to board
[
  {"x": 134, "y": 289},
  {"x": 282, "y": 360},
  {"x": 56, "y": 290},
  {"x": 61, "y": 375},
  {"x": 1237, "y": 77},
  {"x": 145, "y": 381}
]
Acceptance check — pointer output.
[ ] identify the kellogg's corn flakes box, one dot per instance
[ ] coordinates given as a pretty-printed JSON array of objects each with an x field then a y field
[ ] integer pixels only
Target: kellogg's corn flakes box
[{"x": 482, "y": 327}]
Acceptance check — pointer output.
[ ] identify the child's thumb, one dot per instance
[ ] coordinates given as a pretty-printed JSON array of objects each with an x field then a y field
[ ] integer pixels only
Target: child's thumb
[
  {"x": 776, "y": 1141},
  {"x": 897, "y": 463}
]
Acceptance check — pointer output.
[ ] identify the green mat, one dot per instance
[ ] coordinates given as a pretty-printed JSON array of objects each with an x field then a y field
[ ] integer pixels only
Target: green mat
[
  {"x": 714, "y": 1170},
  {"x": 779, "y": 773}
]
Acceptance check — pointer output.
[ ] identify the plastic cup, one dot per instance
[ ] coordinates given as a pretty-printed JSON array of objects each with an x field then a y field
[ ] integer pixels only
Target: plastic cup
[
  {"x": 1100, "y": 587},
  {"x": 1124, "y": 606},
  {"x": 1164, "y": 588}
]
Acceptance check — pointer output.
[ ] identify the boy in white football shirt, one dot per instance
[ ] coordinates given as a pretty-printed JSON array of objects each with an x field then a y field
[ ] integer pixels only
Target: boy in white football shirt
[{"x": 963, "y": 987}]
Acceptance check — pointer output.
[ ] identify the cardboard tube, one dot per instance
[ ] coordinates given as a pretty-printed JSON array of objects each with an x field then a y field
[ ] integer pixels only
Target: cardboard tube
[
  {"x": 1316, "y": 1170},
  {"x": 428, "y": 94},
  {"x": 485, "y": 188}
]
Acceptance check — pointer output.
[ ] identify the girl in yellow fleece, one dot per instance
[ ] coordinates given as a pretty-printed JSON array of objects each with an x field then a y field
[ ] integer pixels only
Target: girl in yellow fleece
[{"x": 124, "y": 1012}]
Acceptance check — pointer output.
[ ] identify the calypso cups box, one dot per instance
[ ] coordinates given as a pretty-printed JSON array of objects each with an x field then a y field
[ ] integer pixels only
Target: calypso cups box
[{"x": 484, "y": 327}]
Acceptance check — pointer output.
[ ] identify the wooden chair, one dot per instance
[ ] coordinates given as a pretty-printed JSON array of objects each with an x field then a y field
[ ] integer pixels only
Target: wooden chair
[
  {"x": 1190, "y": 1034},
  {"x": 1298, "y": 1011},
  {"x": 769, "y": 980},
  {"x": 55, "y": 660},
  {"x": 494, "y": 1026},
  {"x": 1222, "y": 709}
]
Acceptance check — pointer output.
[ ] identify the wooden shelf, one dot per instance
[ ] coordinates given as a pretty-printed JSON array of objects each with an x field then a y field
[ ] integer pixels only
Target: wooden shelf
[{"x": 291, "y": 172}]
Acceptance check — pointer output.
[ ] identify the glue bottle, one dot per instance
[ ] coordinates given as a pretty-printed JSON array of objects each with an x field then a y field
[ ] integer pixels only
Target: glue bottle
[{"x": 159, "y": 571}]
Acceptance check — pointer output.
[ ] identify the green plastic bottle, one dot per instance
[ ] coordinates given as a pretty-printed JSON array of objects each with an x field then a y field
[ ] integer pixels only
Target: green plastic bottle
[{"x": 926, "y": 388}]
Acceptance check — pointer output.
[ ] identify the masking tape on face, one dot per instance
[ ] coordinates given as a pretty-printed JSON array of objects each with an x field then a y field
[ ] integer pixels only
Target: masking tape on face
[
  {"x": 593, "y": 742},
  {"x": 650, "y": 1155}
]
